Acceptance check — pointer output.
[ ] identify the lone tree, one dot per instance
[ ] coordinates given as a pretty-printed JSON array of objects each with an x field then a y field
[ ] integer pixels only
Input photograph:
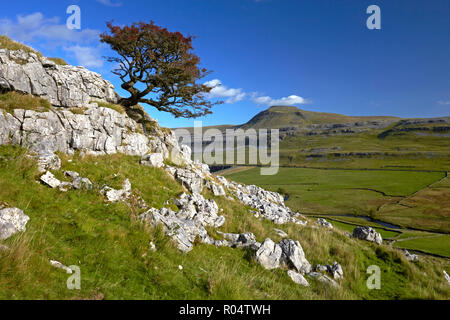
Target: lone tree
[{"x": 153, "y": 61}]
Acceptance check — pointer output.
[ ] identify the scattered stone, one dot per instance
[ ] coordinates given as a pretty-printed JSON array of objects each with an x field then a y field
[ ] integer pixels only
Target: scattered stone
[
  {"x": 323, "y": 278},
  {"x": 71, "y": 174},
  {"x": 410, "y": 256},
  {"x": 324, "y": 223},
  {"x": 65, "y": 186},
  {"x": 336, "y": 270},
  {"x": 298, "y": 278},
  {"x": 113, "y": 195},
  {"x": 293, "y": 255},
  {"x": 190, "y": 180},
  {"x": 82, "y": 183},
  {"x": 12, "y": 220},
  {"x": 188, "y": 224},
  {"x": 269, "y": 254},
  {"x": 50, "y": 180},
  {"x": 152, "y": 246},
  {"x": 180, "y": 267},
  {"x": 48, "y": 161},
  {"x": 320, "y": 268},
  {"x": 4, "y": 248},
  {"x": 367, "y": 233},
  {"x": 447, "y": 277},
  {"x": 59, "y": 265},
  {"x": 243, "y": 240},
  {"x": 153, "y": 160}
]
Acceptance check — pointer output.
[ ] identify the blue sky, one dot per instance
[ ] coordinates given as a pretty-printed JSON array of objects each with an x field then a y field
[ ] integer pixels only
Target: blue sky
[{"x": 316, "y": 54}]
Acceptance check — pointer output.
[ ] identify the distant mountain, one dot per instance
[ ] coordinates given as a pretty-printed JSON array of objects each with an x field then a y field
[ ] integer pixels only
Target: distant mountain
[{"x": 286, "y": 116}]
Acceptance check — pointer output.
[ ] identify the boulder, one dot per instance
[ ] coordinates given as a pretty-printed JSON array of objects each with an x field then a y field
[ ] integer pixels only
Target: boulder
[
  {"x": 367, "y": 233},
  {"x": 323, "y": 278},
  {"x": 12, "y": 220},
  {"x": 324, "y": 223},
  {"x": 243, "y": 240},
  {"x": 293, "y": 255},
  {"x": 336, "y": 270},
  {"x": 50, "y": 180},
  {"x": 113, "y": 195},
  {"x": 190, "y": 180},
  {"x": 410, "y": 256},
  {"x": 153, "y": 160},
  {"x": 269, "y": 254}
]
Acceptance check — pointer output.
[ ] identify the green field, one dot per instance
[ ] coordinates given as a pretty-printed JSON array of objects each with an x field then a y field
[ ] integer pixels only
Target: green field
[{"x": 408, "y": 199}]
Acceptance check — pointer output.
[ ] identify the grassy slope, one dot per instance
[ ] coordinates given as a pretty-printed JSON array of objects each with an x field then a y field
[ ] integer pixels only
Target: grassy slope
[{"x": 112, "y": 249}]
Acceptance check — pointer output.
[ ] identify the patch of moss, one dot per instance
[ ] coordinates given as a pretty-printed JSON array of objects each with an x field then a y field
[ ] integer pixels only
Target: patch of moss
[
  {"x": 115, "y": 107},
  {"x": 15, "y": 100}
]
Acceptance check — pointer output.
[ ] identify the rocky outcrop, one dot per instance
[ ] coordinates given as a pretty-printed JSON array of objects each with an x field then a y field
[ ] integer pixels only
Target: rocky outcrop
[
  {"x": 61, "y": 85},
  {"x": 97, "y": 131},
  {"x": 188, "y": 224},
  {"x": 12, "y": 220},
  {"x": 367, "y": 233}
]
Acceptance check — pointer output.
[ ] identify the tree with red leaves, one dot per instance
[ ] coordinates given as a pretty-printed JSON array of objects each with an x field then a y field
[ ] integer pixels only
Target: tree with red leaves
[{"x": 154, "y": 61}]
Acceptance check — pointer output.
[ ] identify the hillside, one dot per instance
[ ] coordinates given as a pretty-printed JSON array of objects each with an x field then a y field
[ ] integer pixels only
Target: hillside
[{"x": 285, "y": 116}]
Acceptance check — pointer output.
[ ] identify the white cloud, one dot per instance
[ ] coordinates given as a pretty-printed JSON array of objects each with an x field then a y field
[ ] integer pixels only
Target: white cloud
[
  {"x": 109, "y": 3},
  {"x": 220, "y": 91},
  {"x": 50, "y": 32},
  {"x": 444, "y": 103},
  {"x": 35, "y": 27},
  {"x": 285, "y": 101},
  {"x": 88, "y": 57}
]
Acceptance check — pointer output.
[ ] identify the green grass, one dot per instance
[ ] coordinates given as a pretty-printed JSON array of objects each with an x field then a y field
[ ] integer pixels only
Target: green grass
[
  {"x": 112, "y": 248},
  {"x": 14, "y": 100},
  {"x": 332, "y": 192},
  {"x": 437, "y": 245},
  {"x": 116, "y": 107}
]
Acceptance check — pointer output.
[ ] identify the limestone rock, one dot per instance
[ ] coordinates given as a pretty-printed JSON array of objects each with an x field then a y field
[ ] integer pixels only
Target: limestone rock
[
  {"x": 298, "y": 278},
  {"x": 48, "y": 161},
  {"x": 49, "y": 179},
  {"x": 324, "y": 223},
  {"x": 367, "y": 233},
  {"x": 65, "y": 86},
  {"x": 269, "y": 254},
  {"x": 113, "y": 195},
  {"x": 59, "y": 265},
  {"x": 336, "y": 270},
  {"x": 12, "y": 220},
  {"x": 411, "y": 257},
  {"x": 153, "y": 160},
  {"x": 323, "y": 278},
  {"x": 293, "y": 255},
  {"x": 447, "y": 277}
]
